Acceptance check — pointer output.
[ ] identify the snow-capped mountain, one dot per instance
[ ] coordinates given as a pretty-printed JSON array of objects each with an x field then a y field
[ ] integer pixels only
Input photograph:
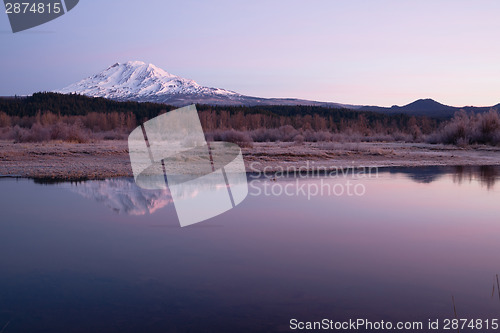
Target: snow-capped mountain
[{"x": 138, "y": 81}]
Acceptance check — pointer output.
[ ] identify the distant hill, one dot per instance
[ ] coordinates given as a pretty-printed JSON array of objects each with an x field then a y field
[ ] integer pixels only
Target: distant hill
[{"x": 427, "y": 107}]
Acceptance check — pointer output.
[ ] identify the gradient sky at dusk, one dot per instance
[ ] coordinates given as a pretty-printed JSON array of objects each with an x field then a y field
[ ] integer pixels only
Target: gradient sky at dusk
[{"x": 357, "y": 52}]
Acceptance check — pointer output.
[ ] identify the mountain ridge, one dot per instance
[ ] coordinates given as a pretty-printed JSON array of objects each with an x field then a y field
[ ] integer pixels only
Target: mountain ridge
[{"x": 141, "y": 82}]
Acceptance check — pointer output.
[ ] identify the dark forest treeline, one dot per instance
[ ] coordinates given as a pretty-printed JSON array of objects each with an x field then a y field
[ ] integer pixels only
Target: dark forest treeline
[
  {"x": 51, "y": 116},
  {"x": 76, "y": 105},
  {"x": 100, "y": 114},
  {"x": 310, "y": 117}
]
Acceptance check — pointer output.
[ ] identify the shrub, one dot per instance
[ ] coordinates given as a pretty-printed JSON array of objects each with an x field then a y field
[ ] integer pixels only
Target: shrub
[
  {"x": 265, "y": 135},
  {"x": 6, "y": 133},
  {"x": 299, "y": 138},
  {"x": 402, "y": 137},
  {"x": 78, "y": 133},
  {"x": 60, "y": 131},
  {"x": 5, "y": 120},
  {"x": 240, "y": 138},
  {"x": 465, "y": 129},
  {"x": 488, "y": 126},
  {"x": 37, "y": 133}
]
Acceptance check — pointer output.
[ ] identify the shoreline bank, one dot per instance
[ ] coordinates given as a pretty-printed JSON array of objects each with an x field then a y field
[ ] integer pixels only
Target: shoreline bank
[{"x": 109, "y": 159}]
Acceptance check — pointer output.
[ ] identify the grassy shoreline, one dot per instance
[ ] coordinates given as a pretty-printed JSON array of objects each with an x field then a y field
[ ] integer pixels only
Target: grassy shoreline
[{"x": 109, "y": 159}]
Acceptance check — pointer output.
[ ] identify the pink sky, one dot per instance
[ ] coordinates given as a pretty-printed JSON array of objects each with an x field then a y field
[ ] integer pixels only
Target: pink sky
[{"x": 357, "y": 52}]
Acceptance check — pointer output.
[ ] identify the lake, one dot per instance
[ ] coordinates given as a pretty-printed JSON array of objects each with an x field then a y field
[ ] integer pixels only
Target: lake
[{"x": 106, "y": 256}]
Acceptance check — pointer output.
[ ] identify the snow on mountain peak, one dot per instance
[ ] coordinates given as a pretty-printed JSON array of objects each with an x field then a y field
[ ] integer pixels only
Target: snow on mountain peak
[{"x": 137, "y": 80}]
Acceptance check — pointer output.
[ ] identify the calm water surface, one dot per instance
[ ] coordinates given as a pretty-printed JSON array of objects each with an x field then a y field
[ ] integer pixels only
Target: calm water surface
[{"x": 105, "y": 256}]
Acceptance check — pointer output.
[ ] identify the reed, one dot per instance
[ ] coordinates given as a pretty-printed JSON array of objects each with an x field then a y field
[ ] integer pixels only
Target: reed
[
  {"x": 498, "y": 288},
  {"x": 5, "y": 326}
]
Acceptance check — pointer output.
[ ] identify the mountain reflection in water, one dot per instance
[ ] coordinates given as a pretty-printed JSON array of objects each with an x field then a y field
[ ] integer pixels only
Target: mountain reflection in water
[{"x": 123, "y": 196}]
